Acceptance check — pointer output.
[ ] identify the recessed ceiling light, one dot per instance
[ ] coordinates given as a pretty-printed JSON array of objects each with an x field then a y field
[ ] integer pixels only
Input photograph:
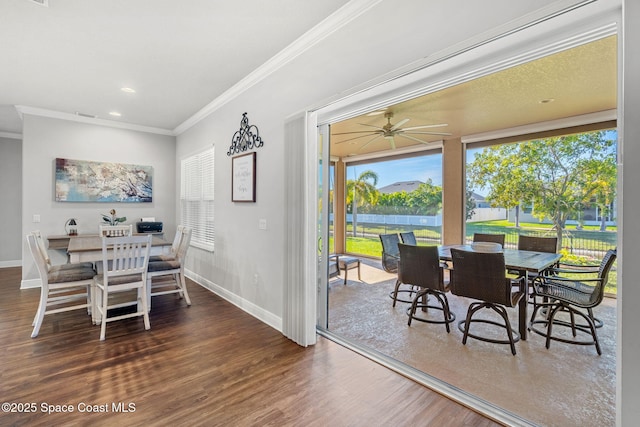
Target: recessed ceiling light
[
  {"x": 128, "y": 90},
  {"x": 546, "y": 101},
  {"x": 115, "y": 114}
]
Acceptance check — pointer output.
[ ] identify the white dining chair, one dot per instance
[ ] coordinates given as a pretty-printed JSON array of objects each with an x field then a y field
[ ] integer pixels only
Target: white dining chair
[
  {"x": 169, "y": 273},
  {"x": 124, "y": 260},
  {"x": 174, "y": 247},
  {"x": 62, "y": 289},
  {"x": 116, "y": 230},
  {"x": 45, "y": 254}
]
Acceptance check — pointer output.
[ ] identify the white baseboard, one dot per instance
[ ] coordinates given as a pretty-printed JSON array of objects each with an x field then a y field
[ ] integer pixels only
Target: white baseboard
[
  {"x": 30, "y": 283},
  {"x": 246, "y": 306},
  {"x": 11, "y": 263}
]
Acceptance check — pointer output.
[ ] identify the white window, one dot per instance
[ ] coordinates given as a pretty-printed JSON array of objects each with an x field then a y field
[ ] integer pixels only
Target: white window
[{"x": 196, "y": 198}]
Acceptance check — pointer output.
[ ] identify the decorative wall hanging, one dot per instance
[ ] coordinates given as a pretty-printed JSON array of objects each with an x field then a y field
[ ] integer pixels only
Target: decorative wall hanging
[
  {"x": 85, "y": 181},
  {"x": 243, "y": 178},
  {"x": 245, "y": 138}
]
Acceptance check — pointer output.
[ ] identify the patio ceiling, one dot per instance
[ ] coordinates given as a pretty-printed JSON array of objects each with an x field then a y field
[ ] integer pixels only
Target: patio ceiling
[{"x": 578, "y": 81}]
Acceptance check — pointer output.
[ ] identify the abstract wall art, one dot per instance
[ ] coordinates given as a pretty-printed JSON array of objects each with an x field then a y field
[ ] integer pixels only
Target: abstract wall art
[{"x": 86, "y": 181}]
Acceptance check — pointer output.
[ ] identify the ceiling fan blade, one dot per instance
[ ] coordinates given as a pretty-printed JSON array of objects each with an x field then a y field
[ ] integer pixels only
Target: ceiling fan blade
[
  {"x": 371, "y": 126},
  {"x": 426, "y": 133},
  {"x": 355, "y": 137},
  {"x": 369, "y": 142},
  {"x": 400, "y": 123},
  {"x": 392, "y": 140},
  {"x": 357, "y": 131},
  {"x": 427, "y": 126},
  {"x": 414, "y": 139}
]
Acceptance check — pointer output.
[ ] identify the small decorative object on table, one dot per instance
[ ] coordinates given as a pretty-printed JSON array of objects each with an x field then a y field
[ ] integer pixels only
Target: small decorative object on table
[
  {"x": 112, "y": 219},
  {"x": 71, "y": 227}
]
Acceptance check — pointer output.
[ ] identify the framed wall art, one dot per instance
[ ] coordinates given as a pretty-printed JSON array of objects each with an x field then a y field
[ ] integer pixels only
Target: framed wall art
[
  {"x": 86, "y": 181},
  {"x": 243, "y": 178}
]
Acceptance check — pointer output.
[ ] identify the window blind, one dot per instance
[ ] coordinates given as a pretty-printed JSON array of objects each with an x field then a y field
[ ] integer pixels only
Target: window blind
[{"x": 196, "y": 198}]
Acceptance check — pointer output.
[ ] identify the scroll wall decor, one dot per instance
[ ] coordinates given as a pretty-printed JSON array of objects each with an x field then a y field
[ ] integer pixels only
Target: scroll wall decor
[
  {"x": 85, "y": 181},
  {"x": 245, "y": 138}
]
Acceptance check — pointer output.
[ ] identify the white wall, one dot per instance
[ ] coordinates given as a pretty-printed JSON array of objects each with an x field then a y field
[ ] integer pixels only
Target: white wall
[
  {"x": 11, "y": 206},
  {"x": 381, "y": 40},
  {"x": 45, "y": 139}
]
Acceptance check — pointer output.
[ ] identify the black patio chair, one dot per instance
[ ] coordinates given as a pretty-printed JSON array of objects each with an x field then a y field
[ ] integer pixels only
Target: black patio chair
[
  {"x": 489, "y": 238},
  {"x": 390, "y": 260},
  {"x": 408, "y": 238},
  {"x": 420, "y": 267},
  {"x": 482, "y": 276},
  {"x": 390, "y": 252},
  {"x": 578, "y": 297}
]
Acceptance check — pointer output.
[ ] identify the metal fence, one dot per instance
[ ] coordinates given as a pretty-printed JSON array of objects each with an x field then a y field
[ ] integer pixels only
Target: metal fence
[
  {"x": 592, "y": 244},
  {"x": 587, "y": 243}
]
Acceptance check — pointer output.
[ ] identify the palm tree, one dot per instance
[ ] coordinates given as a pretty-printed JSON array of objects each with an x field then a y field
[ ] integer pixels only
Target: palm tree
[{"x": 361, "y": 191}]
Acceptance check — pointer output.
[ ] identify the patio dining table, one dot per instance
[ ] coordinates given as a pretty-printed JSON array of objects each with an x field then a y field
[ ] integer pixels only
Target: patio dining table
[{"x": 524, "y": 262}]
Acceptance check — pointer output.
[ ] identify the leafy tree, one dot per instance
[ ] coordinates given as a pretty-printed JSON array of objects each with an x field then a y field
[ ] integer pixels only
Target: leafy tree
[
  {"x": 601, "y": 176},
  {"x": 392, "y": 204},
  {"x": 361, "y": 191},
  {"x": 507, "y": 174},
  {"x": 470, "y": 205},
  {"x": 426, "y": 199},
  {"x": 559, "y": 175}
]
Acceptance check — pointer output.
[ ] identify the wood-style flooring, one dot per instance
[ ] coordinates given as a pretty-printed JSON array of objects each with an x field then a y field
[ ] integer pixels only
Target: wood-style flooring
[{"x": 210, "y": 364}]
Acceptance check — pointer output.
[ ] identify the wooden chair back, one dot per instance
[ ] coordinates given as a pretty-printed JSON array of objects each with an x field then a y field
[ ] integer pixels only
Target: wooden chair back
[
  {"x": 125, "y": 256},
  {"x": 116, "y": 230}
]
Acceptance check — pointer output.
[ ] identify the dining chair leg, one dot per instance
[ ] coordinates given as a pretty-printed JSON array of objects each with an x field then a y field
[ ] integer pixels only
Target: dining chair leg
[
  {"x": 505, "y": 317},
  {"x": 395, "y": 292},
  {"x": 472, "y": 309},
  {"x": 183, "y": 284},
  {"x": 445, "y": 309},
  {"x": 37, "y": 320},
  {"x": 414, "y": 305},
  {"x": 103, "y": 323},
  {"x": 145, "y": 308},
  {"x": 550, "y": 316}
]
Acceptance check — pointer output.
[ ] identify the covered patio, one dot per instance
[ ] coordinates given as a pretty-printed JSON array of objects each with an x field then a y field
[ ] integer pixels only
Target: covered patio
[{"x": 564, "y": 385}]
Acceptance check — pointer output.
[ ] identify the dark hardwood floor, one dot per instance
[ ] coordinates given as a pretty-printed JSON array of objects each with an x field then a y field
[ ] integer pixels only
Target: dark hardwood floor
[{"x": 208, "y": 364}]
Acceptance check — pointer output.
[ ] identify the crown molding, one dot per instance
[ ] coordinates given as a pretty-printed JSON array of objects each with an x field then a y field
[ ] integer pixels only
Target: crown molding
[
  {"x": 34, "y": 111},
  {"x": 10, "y": 135},
  {"x": 328, "y": 26}
]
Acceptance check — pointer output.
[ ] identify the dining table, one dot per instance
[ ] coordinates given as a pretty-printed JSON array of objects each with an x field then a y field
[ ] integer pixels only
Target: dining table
[
  {"x": 89, "y": 248},
  {"x": 524, "y": 262}
]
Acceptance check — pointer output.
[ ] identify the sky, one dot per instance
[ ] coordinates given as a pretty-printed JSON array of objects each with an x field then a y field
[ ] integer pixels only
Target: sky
[
  {"x": 419, "y": 168},
  {"x": 412, "y": 169}
]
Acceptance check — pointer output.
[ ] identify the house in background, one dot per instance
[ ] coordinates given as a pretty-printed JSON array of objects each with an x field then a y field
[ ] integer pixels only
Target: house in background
[
  {"x": 332, "y": 62},
  {"x": 398, "y": 187}
]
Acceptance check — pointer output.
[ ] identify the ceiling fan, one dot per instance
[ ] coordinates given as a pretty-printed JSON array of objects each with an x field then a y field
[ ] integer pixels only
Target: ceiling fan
[{"x": 390, "y": 131}]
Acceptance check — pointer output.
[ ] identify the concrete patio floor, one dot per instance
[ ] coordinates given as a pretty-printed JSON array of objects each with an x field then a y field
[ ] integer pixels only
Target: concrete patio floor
[{"x": 566, "y": 385}]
